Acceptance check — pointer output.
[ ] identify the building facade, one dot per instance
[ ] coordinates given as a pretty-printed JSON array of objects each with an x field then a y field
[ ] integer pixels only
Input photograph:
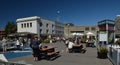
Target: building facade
[
  {"x": 69, "y": 30},
  {"x": 117, "y": 26},
  {"x": 39, "y": 26}
]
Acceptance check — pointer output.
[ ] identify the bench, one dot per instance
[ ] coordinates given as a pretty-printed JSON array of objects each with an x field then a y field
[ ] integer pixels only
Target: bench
[
  {"x": 76, "y": 48},
  {"x": 52, "y": 55}
]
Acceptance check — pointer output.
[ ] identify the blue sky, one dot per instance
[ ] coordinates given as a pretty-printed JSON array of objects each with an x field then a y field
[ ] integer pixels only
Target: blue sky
[{"x": 78, "y": 12}]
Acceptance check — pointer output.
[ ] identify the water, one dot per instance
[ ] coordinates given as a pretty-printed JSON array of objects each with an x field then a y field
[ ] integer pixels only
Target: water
[
  {"x": 11, "y": 55},
  {"x": 15, "y": 54}
]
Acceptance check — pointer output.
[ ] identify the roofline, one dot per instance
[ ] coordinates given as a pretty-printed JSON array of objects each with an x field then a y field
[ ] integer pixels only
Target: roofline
[{"x": 28, "y": 18}]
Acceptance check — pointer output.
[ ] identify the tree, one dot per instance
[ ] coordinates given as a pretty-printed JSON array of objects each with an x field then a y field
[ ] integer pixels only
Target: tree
[{"x": 10, "y": 27}]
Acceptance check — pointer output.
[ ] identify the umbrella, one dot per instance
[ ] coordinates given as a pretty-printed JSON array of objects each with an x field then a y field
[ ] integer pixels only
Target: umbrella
[
  {"x": 73, "y": 33},
  {"x": 90, "y": 34},
  {"x": 80, "y": 34}
]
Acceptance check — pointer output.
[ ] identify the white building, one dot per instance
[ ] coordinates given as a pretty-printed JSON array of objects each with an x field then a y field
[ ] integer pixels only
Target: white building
[{"x": 39, "y": 26}]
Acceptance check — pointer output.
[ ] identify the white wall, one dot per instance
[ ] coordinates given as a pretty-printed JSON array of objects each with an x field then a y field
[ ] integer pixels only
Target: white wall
[
  {"x": 35, "y": 25},
  {"x": 44, "y": 28},
  {"x": 32, "y": 29}
]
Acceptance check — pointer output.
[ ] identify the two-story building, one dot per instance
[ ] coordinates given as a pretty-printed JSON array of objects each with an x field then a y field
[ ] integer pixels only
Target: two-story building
[{"x": 40, "y": 26}]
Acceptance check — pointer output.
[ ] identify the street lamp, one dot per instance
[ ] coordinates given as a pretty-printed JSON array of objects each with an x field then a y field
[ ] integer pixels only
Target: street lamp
[
  {"x": 58, "y": 12},
  {"x": 68, "y": 29}
]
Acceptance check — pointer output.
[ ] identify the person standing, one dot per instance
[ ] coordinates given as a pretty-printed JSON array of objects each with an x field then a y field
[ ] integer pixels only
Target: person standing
[
  {"x": 35, "y": 47},
  {"x": 70, "y": 45},
  {"x": 18, "y": 44},
  {"x": 94, "y": 43},
  {"x": 66, "y": 44},
  {"x": 23, "y": 45},
  {"x": 78, "y": 41},
  {"x": 51, "y": 40},
  {"x": 4, "y": 44}
]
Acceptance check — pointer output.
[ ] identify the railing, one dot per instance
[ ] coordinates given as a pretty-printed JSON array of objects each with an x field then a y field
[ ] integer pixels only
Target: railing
[{"x": 114, "y": 54}]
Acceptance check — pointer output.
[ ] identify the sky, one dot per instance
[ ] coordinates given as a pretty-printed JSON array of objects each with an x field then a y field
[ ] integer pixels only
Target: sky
[{"x": 78, "y": 12}]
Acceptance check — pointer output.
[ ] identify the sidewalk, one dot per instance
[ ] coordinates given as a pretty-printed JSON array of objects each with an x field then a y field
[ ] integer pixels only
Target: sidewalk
[{"x": 88, "y": 58}]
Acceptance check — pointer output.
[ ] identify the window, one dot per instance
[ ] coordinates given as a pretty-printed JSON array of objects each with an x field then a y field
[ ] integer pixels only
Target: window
[
  {"x": 30, "y": 24},
  {"x": 27, "y": 24},
  {"x": 40, "y": 24},
  {"x": 47, "y": 25},
  {"x": 87, "y": 28},
  {"x": 21, "y": 25},
  {"x": 47, "y": 31},
  {"x": 52, "y": 25},
  {"x": 93, "y": 28},
  {"x": 40, "y": 30},
  {"x": 52, "y": 31}
]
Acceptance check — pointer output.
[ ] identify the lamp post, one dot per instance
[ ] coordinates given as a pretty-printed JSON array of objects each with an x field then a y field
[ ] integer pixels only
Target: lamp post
[
  {"x": 68, "y": 29},
  {"x": 58, "y": 12}
]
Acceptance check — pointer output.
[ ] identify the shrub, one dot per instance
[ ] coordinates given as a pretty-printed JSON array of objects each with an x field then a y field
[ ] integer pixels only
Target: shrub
[
  {"x": 102, "y": 53},
  {"x": 102, "y": 50},
  {"x": 118, "y": 41},
  {"x": 46, "y": 41}
]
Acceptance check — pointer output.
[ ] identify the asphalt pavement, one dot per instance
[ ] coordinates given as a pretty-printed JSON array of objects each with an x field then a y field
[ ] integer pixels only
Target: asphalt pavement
[{"x": 87, "y": 58}]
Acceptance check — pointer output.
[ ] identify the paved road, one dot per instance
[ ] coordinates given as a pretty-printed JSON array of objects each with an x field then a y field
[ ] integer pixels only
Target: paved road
[{"x": 88, "y": 58}]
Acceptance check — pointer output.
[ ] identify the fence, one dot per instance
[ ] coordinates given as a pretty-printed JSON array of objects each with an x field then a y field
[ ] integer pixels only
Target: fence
[{"x": 114, "y": 54}]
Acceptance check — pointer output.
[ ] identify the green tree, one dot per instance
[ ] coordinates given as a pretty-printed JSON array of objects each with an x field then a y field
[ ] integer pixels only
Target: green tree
[{"x": 10, "y": 27}]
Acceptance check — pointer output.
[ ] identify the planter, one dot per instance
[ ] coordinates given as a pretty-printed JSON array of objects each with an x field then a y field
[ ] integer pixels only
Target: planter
[{"x": 101, "y": 55}]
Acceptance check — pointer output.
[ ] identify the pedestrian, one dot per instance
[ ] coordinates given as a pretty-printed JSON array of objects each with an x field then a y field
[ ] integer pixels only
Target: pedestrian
[
  {"x": 66, "y": 44},
  {"x": 70, "y": 45},
  {"x": 23, "y": 43},
  {"x": 87, "y": 43},
  {"x": 78, "y": 41},
  {"x": 94, "y": 43},
  {"x": 51, "y": 40},
  {"x": 35, "y": 45},
  {"x": 18, "y": 44},
  {"x": 4, "y": 44}
]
